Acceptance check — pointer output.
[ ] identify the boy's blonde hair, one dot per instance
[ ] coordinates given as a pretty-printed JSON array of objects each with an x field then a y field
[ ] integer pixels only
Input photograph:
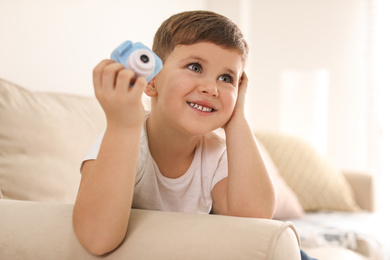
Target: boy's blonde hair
[{"x": 198, "y": 26}]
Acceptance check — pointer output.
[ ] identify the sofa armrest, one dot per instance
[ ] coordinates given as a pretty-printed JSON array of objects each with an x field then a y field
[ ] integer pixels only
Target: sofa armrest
[
  {"x": 363, "y": 187},
  {"x": 37, "y": 230}
]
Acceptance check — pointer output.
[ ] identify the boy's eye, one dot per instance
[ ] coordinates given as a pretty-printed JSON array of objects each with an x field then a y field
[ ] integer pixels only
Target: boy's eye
[
  {"x": 195, "y": 67},
  {"x": 226, "y": 78}
]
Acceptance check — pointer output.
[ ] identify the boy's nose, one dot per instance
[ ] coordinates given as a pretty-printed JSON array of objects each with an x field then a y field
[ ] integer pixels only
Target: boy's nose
[{"x": 208, "y": 88}]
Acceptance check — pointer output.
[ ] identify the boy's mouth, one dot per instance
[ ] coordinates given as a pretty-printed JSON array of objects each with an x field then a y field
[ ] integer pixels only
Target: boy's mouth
[{"x": 200, "y": 107}]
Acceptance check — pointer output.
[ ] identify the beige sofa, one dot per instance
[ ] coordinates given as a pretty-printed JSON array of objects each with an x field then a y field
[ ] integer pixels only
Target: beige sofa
[{"x": 43, "y": 138}]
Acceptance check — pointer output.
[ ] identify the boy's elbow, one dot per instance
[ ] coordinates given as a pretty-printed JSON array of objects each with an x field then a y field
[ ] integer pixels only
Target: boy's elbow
[
  {"x": 97, "y": 242},
  {"x": 99, "y": 249},
  {"x": 250, "y": 211},
  {"x": 265, "y": 210},
  {"x": 266, "y": 214},
  {"x": 255, "y": 213},
  {"x": 269, "y": 210},
  {"x": 98, "y": 246}
]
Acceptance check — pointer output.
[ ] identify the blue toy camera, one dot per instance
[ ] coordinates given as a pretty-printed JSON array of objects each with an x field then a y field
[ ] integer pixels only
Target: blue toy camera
[{"x": 139, "y": 58}]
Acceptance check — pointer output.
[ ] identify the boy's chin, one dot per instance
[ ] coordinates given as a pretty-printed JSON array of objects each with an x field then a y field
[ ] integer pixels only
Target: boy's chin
[
  {"x": 201, "y": 131},
  {"x": 217, "y": 130}
]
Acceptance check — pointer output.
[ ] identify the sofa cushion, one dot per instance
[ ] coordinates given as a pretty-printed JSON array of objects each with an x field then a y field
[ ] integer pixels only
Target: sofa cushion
[
  {"x": 43, "y": 139},
  {"x": 333, "y": 253},
  {"x": 288, "y": 206},
  {"x": 317, "y": 184}
]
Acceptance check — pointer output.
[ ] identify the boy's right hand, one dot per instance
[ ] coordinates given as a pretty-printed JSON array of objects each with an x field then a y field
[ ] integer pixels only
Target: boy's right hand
[{"x": 121, "y": 103}]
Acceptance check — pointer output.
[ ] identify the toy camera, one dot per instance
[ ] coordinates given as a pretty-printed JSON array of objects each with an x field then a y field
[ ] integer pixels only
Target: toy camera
[{"x": 139, "y": 58}]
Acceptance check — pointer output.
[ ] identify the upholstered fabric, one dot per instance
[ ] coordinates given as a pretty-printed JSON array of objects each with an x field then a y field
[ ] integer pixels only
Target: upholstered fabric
[
  {"x": 333, "y": 252},
  {"x": 43, "y": 138},
  {"x": 37, "y": 230},
  {"x": 363, "y": 186},
  {"x": 317, "y": 184}
]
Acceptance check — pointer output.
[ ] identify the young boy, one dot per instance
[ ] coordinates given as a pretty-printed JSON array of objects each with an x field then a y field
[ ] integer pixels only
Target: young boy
[{"x": 171, "y": 159}]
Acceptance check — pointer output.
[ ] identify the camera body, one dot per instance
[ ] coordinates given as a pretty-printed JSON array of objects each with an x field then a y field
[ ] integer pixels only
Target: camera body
[{"x": 139, "y": 58}]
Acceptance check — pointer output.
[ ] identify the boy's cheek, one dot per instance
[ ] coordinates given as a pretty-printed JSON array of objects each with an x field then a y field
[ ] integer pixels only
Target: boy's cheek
[
  {"x": 232, "y": 105},
  {"x": 234, "y": 98}
]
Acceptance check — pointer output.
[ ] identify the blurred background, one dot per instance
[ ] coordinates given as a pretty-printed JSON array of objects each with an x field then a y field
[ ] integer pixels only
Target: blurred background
[{"x": 317, "y": 69}]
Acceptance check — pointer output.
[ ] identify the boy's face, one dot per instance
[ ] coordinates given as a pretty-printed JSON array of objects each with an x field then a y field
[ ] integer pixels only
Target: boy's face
[{"x": 197, "y": 88}]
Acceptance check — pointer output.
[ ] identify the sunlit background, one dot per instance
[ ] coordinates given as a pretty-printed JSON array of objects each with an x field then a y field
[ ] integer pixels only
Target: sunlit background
[
  {"x": 318, "y": 69},
  {"x": 379, "y": 84}
]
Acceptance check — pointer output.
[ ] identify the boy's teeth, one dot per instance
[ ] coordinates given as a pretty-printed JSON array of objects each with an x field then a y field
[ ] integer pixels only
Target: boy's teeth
[{"x": 199, "y": 107}]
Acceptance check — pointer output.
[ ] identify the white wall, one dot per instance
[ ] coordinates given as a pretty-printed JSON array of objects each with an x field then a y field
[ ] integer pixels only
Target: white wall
[
  {"x": 311, "y": 35},
  {"x": 53, "y": 46}
]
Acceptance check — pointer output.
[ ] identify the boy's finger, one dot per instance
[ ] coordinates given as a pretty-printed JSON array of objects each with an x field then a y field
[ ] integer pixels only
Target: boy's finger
[
  {"x": 98, "y": 73},
  {"x": 244, "y": 80},
  {"x": 123, "y": 80},
  {"x": 139, "y": 85},
  {"x": 242, "y": 90},
  {"x": 109, "y": 75},
  {"x": 243, "y": 84}
]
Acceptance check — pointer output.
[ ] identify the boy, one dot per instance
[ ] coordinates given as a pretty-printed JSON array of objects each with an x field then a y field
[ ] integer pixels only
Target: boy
[{"x": 170, "y": 159}]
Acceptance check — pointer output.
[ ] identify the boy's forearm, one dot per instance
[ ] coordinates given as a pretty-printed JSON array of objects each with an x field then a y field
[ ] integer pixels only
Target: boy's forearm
[
  {"x": 250, "y": 188},
  {"x": 103, "y": 204}
]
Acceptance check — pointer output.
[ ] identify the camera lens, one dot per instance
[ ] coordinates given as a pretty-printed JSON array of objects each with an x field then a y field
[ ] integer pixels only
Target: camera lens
[{"x": 144, "y": 58}]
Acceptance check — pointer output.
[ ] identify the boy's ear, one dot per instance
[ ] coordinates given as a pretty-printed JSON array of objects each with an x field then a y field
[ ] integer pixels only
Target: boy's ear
[{"x": 151, "y": 89}]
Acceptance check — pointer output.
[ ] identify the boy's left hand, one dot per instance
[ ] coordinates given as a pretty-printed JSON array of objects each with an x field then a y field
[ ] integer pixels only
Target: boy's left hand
[
  {"x": 243, "y": 86},
  {"x": 239, "y": 109}
]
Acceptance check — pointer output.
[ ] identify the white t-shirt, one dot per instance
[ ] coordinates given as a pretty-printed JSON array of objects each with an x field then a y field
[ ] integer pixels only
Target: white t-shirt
[{"x": 189, "y": 193}]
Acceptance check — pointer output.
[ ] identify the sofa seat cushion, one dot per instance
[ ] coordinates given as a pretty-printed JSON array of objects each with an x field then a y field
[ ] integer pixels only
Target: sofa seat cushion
[
  {"x": 333, "y": 253},
  {"x": 43, "y": 138},
  {"x": 363, "y": 232}
]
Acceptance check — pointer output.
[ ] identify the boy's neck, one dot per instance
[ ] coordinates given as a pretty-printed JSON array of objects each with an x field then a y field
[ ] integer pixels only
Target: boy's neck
[{"x": 172, "y": 151}]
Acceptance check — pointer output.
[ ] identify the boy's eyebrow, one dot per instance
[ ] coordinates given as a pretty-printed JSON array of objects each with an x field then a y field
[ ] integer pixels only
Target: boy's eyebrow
[
  {"x": 196, "y": 57},
  {"x": 231, "y": 71}
]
